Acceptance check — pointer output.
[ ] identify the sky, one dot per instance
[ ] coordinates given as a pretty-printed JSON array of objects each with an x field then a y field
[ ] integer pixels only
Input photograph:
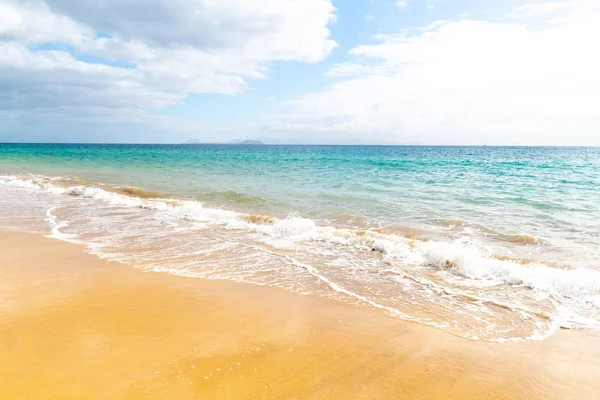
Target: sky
[{"x": 428, "y": 72}]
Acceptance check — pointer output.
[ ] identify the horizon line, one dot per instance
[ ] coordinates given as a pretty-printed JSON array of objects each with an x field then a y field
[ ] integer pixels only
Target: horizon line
[{"x": 296, "y": 144}]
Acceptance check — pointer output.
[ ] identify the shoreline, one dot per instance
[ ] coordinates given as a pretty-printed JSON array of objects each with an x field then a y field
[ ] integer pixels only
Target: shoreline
[
  {"x": 75, "y": 326},
  {"x": 532, "y": 306}
]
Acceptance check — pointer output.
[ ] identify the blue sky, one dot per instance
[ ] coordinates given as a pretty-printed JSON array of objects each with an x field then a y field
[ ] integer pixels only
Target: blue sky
[{"x": 311, "y": 71}]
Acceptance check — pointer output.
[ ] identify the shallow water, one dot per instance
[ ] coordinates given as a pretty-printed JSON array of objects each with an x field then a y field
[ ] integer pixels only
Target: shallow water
[{"x": 484, "y": 242}]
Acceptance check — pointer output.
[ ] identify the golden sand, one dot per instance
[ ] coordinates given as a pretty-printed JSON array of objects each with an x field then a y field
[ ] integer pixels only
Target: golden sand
[{"x": 76, "y": 327}]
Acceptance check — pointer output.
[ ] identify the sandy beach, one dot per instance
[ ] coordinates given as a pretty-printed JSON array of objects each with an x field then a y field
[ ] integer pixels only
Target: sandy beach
[
  {"x": 299, "y": 200},
  {"x": 73, "y": 326}
]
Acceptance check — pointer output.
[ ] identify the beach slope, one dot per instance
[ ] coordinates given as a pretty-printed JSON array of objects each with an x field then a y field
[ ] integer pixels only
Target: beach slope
[{"x": 73, "y": 326}]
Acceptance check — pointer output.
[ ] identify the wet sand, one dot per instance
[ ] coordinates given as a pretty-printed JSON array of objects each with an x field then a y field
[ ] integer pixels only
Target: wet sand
[{"x": 73, "y": 326}]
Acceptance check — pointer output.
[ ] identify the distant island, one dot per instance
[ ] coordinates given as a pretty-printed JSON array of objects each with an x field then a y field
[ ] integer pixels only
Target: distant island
[
  {"x": 195, "y": 141},
  {"x": 250, "y": 142}
]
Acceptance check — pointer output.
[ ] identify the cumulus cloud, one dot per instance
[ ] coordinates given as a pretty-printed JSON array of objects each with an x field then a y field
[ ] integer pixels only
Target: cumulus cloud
[
  {"x": 50, "y": 79},
  {"x": 107, "y": 55},
  {"x": 260, "y": 30},
  {"x": 32, "y": 21},
  {"x": 544, "y": 7},
  {"x": 466, "y": 82}
]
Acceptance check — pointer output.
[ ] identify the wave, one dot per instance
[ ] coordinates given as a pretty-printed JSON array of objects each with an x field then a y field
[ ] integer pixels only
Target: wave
[
  {"x": 451, "y": 223},
  {"x": 57, "y": 226},
  {"x": 258, "y": 219},
  {"x": 457, "y": 257},
  {"x": 523, "y": 239},
  {"x": 232, "y": 197},
  {"x": 138, "y": 192}
]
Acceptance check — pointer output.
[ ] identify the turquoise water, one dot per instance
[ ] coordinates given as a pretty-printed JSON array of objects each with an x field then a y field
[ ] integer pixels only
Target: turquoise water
[{"x": 510, "y": 225}]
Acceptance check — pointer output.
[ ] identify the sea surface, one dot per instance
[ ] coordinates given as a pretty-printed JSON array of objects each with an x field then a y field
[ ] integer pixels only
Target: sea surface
[{"x": 487, "y": 243}]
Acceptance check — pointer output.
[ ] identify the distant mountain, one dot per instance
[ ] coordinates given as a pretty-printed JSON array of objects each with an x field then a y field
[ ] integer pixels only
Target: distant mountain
[
  {"x": 196, "y": 141},
  {"x": 250, "y": 142}
]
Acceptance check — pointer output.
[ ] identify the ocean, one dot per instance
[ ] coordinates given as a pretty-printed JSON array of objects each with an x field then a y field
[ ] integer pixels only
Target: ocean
[{"x": 487, "y": 243}]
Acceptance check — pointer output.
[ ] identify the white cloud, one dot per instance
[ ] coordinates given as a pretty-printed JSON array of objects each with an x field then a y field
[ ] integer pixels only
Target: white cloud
[
  {"x": 32, "y": 21},
  {"x": 262, "y": 29},
  {"x": 544, "y": 7},
  {"x": 52, "y": 79},
  {"x": 465, "y": 82},
  {"x": 107, "y": 55},
  {"x": 402, "y": 3}
]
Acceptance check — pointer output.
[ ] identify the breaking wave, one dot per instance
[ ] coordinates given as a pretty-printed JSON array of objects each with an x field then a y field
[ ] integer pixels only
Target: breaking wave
[{"x": 455, "y": 258}]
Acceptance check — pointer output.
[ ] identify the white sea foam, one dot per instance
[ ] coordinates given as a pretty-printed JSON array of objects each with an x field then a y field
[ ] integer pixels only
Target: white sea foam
[
  {"x": 57, "y": 226},
  {"x": 459, "y": 258},
  {"x": 469, "y": 262}
]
